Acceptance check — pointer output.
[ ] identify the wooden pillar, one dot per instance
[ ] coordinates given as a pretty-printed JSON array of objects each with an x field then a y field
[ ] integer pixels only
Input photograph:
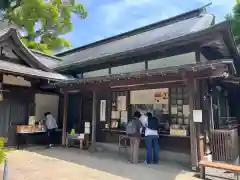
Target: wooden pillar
[
  {"x": 193, "y": 129},
  {"x": 65, "y": 114},
  {"x": 94, "y": 121},
  {"x": 191, "y": 84}
]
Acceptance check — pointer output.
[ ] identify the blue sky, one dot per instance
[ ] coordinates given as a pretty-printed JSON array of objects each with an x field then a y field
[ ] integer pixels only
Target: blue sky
[{"x": 110, "y": 17}]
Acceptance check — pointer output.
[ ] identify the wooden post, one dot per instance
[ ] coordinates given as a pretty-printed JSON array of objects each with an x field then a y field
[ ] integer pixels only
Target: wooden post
[
  {"x": 65, "y": 114},
  {"x": 192, "y": 88},
  {"x": 201, "y": 148},
  {"x": 94, "y": 119}
]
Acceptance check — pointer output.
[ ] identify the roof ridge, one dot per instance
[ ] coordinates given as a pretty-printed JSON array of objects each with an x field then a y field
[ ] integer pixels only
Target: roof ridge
[
  {"x": 165, "y": 22},
  {"x": 38, "y": 52}
]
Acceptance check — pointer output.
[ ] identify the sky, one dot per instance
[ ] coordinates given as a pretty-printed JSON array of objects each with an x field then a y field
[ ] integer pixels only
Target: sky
[{"x": 107, "y": 18}]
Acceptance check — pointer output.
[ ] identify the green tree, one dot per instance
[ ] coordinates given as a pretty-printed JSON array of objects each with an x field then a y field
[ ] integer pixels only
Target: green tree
[
  {"x": 42, "y": 22},
  {"x": 235, "y": 21},
  {"x": 2, "y": 151}
]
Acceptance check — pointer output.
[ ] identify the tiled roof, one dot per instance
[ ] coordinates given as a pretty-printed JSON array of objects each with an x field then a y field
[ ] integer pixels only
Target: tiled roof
[
  {"x": 23, "y": 70},
  {"x": 136, "y": 41}
]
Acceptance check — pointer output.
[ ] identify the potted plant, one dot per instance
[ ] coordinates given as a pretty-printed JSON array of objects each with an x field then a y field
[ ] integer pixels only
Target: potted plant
[{"x": 3, "y": 158}]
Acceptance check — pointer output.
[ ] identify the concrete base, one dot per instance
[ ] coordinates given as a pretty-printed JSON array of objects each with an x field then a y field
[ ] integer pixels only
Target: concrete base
[{"x": 163, "y": 154}]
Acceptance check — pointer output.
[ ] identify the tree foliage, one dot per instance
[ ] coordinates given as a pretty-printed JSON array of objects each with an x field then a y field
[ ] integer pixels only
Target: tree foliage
[
  {"x": 2, "y": 151},
  {"x": 235, "y": 21},
  {"x": 43, "y": 22}
]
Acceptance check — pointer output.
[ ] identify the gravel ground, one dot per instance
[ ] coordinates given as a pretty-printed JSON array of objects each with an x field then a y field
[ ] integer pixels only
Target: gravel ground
[{"x": 73, "y": 164}]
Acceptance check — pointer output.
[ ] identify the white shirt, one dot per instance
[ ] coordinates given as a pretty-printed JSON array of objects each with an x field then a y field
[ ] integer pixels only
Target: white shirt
[
  {"x": 148, "y": 132},
  {"x": 51, "y": 122}
]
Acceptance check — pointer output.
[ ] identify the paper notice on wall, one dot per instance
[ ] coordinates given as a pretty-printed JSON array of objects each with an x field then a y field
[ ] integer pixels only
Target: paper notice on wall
[
  {"x": 103, "y": 110},
  {"x": 87, "y": 124},
  {"x": 124, "y": 117},
  {"x": 174, "y": 110},
  {"x": 197, "y": 116},
  {"x": 186, "y": 110},
  {"x": 114, "y": 124},
  {"x": 149, "y": 96},
  {"x": 121, "y": 103},
  {"x": 31, "y": 120},
  {"x": 115, "y": 115},
  {"x": 87, "y": 130}
]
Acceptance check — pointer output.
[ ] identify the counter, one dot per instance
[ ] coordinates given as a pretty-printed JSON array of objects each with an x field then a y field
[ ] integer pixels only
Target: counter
[
  {"x": 34, "y": 136},
  {"x": 174, "y": 143}
]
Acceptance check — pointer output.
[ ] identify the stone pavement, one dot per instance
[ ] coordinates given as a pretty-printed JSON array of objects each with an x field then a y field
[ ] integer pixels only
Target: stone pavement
[{"x": 73, "y": 164}]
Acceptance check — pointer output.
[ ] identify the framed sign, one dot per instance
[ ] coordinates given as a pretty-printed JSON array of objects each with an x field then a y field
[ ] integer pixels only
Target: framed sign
[{"x": 103, "y": 110}]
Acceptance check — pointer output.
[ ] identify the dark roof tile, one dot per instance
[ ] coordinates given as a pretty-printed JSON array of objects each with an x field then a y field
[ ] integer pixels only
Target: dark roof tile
[{"x": 144, "y": 39}]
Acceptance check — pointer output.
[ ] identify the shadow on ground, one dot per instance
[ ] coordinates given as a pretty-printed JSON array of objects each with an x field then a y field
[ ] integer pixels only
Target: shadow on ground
[{"x": 116, "y": 164}]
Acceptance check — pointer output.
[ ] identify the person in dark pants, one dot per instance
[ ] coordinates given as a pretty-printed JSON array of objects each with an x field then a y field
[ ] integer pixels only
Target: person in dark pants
[
  {"x": 51, "y": 126},
  {"x": 151, "y": 125}
]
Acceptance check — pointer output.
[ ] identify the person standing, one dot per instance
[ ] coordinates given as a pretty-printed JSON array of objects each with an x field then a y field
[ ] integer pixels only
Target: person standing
[
  {"x": 51, "y": 125},
  {"x": 134, "y": 133},
  {"x": 150, "y": 126}
]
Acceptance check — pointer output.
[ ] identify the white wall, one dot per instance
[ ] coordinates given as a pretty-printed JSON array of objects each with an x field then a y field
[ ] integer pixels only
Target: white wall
[
  {"x": 15, "y": 80},
  {"x": 46, "y": 103}
]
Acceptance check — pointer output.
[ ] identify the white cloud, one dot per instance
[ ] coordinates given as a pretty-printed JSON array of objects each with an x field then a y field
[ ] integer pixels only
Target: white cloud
[
  {"x": 125, "y": 15},
  {"x": 110, "y": 17}
]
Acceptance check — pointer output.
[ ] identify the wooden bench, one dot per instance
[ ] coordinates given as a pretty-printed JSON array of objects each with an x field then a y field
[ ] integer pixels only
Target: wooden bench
[{"x": 229, "y": 167}]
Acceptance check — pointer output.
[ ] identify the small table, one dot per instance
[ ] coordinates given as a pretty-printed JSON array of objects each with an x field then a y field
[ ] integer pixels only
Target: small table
[{"x": 80, "y": 141}]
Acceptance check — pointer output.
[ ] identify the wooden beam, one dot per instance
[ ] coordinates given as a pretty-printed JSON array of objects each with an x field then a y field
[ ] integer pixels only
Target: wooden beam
[
  {"x": 156, "y": 85},
  {"x": 147, "y": 79},
  {"x": 65, "y": 114}
]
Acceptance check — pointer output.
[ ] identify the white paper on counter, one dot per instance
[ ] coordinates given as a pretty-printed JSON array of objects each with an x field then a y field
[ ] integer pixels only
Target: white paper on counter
[{"x": 81, "y": 136}]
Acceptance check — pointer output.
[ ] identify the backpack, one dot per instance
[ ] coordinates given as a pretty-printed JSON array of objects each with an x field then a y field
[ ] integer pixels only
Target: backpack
[
  {"x": 132, "y": 127},
  {"x": 153, "y": 123}
]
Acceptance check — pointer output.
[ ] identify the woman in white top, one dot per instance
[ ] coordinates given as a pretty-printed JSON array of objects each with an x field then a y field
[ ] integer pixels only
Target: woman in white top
[
  {"x": 151, "y": 136},
  {"x": 51, "y": 125}
]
